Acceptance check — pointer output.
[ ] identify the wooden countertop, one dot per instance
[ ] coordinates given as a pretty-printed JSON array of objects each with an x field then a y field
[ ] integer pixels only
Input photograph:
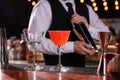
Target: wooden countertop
[
  {"x": 35, "y": 75},
  {"x": 20, "y": 74}
]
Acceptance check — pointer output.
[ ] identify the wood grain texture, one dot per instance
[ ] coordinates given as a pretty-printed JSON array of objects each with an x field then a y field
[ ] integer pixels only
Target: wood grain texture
[{"x": 37, "y": 75}]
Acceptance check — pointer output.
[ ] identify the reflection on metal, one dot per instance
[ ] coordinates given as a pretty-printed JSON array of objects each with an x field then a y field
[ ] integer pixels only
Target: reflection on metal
[{"x": 3, "y": 53}]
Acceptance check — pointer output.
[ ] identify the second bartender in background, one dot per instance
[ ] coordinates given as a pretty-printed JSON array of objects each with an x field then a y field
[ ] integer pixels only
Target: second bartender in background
[{"x": 52, "y": 14}]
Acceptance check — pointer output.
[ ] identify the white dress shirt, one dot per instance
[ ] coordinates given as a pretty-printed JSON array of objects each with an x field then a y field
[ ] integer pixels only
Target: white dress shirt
[{"x": 40, "y": 21}]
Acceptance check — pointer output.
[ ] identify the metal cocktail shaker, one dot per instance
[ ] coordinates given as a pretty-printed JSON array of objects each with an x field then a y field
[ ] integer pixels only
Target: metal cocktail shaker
[{"x": 3, "y": 53}]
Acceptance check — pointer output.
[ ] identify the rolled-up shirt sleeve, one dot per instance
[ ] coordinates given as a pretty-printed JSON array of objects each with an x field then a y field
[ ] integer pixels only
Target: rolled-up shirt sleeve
[{"x": 96, "y": 25}]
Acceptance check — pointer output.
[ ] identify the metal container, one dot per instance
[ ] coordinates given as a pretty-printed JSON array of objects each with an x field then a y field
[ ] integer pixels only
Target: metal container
[{"x": 3, "y": 40}]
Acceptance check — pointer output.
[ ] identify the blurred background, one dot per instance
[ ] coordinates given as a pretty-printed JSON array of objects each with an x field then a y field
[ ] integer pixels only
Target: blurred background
[{"x": 14, "y": 14}]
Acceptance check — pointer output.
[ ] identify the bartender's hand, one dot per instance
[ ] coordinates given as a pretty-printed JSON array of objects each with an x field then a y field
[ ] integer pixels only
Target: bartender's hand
[
  {"x": 83, "y": 48},
  {"x": 76, "y": 18}
]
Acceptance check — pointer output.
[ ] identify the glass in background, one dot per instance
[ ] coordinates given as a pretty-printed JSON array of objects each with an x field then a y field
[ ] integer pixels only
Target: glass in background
[
  {"x": 114, "y": 64},
  {"x": 26, "y": 54},
  {"x": 34, "y": 65},
  {"x": 104, "y": 38},
  {"x": 16, "y": 49}
]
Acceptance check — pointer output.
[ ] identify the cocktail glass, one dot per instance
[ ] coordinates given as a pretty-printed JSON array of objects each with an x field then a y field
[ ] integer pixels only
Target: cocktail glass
[
  {"x": 59, "y": 38},
  {"x": 34, "y": 65},
  {"x": 104, "y": 38}
]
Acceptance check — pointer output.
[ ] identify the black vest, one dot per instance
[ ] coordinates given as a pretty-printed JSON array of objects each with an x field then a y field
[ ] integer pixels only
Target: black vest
[{"x": 61, "y": 21}]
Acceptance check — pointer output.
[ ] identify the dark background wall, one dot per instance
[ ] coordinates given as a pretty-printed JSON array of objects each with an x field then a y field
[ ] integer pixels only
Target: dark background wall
[
  {"x": 111, "y": 13},
  {"x": 14, "y": 14}
]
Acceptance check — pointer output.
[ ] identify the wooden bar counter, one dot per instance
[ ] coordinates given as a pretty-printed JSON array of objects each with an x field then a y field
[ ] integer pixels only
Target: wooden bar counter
[
  {"x": 20, "y": 74},
  {"x": 34, "y": 75}
]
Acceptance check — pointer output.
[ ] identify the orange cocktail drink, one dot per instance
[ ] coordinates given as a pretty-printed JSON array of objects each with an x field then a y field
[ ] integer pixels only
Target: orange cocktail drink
[{"x": 59, "y": 37}]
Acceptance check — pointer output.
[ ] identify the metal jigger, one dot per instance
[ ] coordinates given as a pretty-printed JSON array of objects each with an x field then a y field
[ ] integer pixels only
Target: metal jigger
[{"x": 104, "y": 38}]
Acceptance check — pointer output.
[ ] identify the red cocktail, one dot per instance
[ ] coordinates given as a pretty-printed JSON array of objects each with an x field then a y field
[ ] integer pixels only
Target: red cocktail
[{"x": 59, "y": 38}]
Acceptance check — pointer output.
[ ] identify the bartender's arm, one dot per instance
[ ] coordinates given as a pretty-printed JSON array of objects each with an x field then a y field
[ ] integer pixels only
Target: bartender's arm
[{"x": 40, "y": 26}]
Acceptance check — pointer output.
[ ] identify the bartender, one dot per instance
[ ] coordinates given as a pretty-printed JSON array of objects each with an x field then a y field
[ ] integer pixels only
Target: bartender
[{"x": 53, "y": 15}]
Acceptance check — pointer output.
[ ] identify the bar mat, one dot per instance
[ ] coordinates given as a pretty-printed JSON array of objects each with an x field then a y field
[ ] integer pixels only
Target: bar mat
[
  {"x": 79, "y": 70},
  {"x": 12, "y": 66},
  {"x": 74, "y": 70}
]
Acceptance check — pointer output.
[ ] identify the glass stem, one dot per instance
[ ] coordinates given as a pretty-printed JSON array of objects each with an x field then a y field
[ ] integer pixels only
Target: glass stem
[
  {"x": 34, "y": 57},
  {"x": 59, "y": 57},
  {"x": 104, "y": 64}
]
